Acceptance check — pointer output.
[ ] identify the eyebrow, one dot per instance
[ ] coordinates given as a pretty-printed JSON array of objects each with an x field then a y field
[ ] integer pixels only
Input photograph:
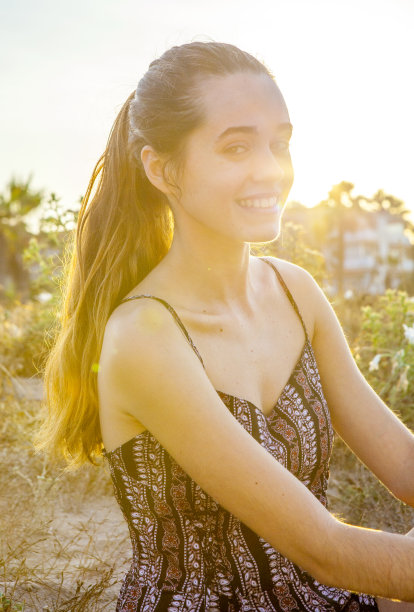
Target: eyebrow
[{"x": 250, "y": 129}]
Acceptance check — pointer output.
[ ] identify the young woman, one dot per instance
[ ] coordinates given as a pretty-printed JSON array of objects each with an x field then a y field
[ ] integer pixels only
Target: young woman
[{"x": 205, "y": 373}]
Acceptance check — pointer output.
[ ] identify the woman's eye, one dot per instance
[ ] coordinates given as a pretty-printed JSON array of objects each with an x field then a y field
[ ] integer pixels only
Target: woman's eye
[
  {"x": 236, "y": 149},
  {"x": 281, "y": 146}
]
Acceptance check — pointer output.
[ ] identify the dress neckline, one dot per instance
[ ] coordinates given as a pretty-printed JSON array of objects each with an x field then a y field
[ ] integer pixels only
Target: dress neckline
[
  {"x": 307, "y": 345},
  {"x": 275, "y": 403}
]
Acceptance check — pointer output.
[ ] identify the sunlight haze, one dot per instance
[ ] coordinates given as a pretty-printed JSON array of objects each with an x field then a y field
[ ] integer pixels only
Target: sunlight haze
[{"x": 343, "y": 67}]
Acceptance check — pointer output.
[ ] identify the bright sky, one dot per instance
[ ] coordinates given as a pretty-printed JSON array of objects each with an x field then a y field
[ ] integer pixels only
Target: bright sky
[{"x": 345, "y": 69}]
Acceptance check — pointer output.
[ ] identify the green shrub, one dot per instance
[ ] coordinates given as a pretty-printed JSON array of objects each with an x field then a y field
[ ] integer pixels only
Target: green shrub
[
  {"x": 384, "y": 350},
  {"x": 24, "y": 337},
  {"x": 27, "y": 328}
]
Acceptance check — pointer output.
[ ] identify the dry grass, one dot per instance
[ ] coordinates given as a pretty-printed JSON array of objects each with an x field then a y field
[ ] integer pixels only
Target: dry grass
[
  {"x": 357, "y": 497},
  {"x": 64, "y": 544},
  {"x": 63, "y": 541}
]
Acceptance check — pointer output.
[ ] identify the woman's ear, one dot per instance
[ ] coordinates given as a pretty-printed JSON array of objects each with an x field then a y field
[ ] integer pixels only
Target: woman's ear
[{"x": 154, "y": 169}]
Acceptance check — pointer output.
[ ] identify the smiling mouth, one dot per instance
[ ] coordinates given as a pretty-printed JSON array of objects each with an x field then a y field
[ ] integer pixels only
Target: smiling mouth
[{"x": 266, "y": 203}]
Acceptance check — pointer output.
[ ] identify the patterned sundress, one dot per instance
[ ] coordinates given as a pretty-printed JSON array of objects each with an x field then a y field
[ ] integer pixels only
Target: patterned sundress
[{"x": 189, "y": 553}]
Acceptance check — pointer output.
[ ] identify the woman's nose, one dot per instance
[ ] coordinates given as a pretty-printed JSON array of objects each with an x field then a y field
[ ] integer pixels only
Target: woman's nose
[{"x": 269, "y": 166}]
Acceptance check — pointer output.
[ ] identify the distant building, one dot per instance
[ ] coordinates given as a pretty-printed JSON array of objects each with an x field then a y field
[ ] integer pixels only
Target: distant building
[
  {"x": 365, "y": 251},
  {"x": 378, "y": 254}
]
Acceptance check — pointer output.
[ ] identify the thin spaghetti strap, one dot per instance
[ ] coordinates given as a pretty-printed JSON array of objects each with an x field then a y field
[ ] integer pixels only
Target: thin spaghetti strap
[
  {"x": 174, "y": 314},
  {"x": 288, "y": 293}
]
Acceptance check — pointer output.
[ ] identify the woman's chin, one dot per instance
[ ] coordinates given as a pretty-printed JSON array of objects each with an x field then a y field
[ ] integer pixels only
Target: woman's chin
[{"x": 269, "y": 235}]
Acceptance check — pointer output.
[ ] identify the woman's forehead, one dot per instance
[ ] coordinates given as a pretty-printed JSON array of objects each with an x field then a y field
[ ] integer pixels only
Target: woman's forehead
[{"x": 241, "y": 99}]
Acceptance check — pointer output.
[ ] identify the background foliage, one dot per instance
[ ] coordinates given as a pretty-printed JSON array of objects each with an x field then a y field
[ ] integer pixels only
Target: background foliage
[{"x": 384, "y": 350}]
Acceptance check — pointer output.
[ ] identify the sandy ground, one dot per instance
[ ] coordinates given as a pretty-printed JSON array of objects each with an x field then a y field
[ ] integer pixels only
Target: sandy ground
[
  {"x": 64, "y": 543},
  {"x": 74, "y": 552}
]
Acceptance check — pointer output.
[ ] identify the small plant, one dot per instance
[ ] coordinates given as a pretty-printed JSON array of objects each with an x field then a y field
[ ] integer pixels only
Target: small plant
[
  {"x": 7, "y": 605},
  {"x": 45, "y": 253},
  {"x": 28, "y": 325},
  {"x": 384, "y": 350},
  {"x": 23, "y": 339}
]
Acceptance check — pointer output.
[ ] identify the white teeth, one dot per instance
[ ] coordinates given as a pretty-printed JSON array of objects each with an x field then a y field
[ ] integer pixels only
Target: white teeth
[{"x": 259, "y": 202}]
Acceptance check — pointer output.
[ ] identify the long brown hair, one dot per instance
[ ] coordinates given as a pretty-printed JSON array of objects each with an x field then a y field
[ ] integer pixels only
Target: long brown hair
[{"x": 124, "y": 229}]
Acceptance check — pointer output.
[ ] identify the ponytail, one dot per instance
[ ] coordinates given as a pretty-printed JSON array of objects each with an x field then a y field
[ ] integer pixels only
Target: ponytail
[{"x": 123, "y": 232}]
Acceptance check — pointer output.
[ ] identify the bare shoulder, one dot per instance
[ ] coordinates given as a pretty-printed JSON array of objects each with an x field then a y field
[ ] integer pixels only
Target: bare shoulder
[
  {"x": 139, "y": 316},
  {"x": 296, "y": 278},
  {"x": 142, "y": 347},
  {"x": 305, "y": 291},
  {"x": 138, "y": 331}
]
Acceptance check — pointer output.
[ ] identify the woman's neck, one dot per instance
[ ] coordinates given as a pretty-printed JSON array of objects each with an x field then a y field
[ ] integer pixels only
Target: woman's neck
[{"x": 214, "y": 270}]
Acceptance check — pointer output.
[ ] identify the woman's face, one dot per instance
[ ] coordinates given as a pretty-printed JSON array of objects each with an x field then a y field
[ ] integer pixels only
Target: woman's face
[{"x": 237, "y": 170}]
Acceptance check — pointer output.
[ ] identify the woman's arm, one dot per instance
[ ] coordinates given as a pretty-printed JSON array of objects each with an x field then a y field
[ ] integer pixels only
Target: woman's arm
[
  {"x": 385, "y": 605},
  {"x": 359, "y": 416},
  {"x": 159, "y": 380}
]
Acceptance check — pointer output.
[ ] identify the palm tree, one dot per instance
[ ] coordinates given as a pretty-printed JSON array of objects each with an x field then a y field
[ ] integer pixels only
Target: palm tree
[{"x": 333, "y": 217}]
